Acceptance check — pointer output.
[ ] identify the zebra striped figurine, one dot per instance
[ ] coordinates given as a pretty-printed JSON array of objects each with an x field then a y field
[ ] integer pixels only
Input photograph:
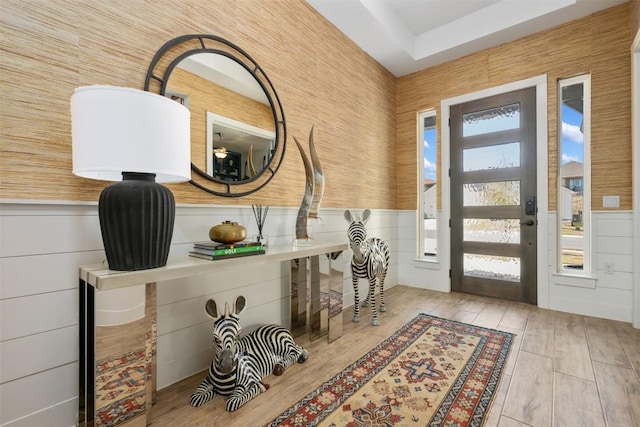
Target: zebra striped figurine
[
  {"x": 240, "y": 364},
  {"x": 370, "y": 261}
]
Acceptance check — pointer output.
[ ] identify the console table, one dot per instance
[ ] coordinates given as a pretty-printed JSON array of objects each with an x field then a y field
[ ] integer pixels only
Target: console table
[{"x": 319, "y": 314}]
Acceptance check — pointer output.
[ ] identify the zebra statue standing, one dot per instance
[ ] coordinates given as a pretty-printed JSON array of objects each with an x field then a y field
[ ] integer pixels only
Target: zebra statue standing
[
  {"x": 240, "y": 364},
  {"x": 370, "y": 261}
]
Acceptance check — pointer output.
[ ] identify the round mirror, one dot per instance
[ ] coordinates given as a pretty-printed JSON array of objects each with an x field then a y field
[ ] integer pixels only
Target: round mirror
[{"x": 238, "y": 132}]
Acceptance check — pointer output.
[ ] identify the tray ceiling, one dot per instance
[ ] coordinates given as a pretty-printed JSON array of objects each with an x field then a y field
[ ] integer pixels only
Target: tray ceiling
[{"x": 409, "y": 35}]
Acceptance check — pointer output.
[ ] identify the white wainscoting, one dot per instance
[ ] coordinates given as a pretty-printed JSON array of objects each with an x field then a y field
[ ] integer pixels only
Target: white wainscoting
[
  {"x": 418, "y": 273},
  {"x": 44, "y": 243},
  {"x": 601, "y": 295}
]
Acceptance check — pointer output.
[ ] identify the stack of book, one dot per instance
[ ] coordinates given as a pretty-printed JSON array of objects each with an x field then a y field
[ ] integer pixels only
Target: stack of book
[{"x": 215, "y": 250}]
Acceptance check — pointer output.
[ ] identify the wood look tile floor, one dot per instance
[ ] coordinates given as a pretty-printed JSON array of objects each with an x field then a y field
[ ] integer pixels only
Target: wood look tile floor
[{"x": 563, "y": 369}]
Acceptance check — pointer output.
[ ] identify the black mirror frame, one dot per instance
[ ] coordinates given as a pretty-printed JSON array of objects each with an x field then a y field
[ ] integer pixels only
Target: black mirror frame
[{"x": 160, "y": 69}]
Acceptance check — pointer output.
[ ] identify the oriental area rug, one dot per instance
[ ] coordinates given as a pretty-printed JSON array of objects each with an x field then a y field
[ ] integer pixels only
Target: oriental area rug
[{"x": 432, "y": 372}]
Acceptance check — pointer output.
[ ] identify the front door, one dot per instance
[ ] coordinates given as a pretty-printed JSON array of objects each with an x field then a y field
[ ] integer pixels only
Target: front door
[{"x": 493, "y": 196}]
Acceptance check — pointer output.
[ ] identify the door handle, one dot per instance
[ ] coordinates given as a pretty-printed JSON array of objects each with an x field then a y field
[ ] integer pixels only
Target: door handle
[{"x": 528, "y": 222}]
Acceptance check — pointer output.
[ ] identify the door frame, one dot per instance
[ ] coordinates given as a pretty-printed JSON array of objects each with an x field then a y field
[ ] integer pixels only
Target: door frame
[
  {"x": 542, "y": 175},
  {"x": 635, "y": 126}
]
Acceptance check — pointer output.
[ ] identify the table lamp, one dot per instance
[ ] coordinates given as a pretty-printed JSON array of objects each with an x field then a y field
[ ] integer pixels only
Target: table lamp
[{"x": 139, "y": 139}]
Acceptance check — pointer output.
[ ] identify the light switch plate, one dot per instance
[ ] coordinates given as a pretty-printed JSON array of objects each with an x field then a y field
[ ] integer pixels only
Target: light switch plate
[{"x": 610, "y": 201}]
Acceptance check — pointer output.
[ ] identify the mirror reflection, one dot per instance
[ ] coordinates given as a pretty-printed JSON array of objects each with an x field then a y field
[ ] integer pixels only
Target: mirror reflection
[
  {"x": 235, "y": 150},
  {"x": 232, "y": 124}
]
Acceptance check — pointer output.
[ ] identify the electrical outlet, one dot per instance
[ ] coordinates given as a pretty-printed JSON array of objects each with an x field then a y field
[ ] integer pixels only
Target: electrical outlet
[{"x": 608, "y": 268}]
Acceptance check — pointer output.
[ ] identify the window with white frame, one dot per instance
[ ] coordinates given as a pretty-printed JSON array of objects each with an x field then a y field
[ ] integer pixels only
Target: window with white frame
[
  {"x": 428, "y": 182},
  {"x": 574, "y": 184}
]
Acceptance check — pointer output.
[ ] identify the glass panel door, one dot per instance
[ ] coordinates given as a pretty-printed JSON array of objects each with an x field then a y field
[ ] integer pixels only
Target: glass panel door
[{"x": 493, "y": 189}]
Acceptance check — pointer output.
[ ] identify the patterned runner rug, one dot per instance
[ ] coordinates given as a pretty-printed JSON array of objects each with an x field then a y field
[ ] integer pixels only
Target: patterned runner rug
[{"x": 431, "y": 372}]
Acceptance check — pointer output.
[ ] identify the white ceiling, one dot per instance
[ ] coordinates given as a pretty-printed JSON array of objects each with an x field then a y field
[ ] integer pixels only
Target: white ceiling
[{"x": 409, "y": 35}]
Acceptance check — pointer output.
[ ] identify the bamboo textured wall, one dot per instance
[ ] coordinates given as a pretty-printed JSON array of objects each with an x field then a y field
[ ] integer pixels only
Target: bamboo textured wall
[
  {"x": 322, "y": 78},
  {"x": 597, "y": 44},
  {"x": 635, "y": 4}
]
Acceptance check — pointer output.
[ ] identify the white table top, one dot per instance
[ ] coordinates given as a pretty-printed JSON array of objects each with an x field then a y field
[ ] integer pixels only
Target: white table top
[{"x": 178, "y": 267}]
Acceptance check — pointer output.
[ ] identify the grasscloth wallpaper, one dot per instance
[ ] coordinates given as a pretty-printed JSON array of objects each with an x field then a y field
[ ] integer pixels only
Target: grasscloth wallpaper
[
  {"x": 365, "y": 119},
  {"x": 635, "y": 15},
  {"x": 51, "y": 47},
  {"x": 597, "y": 44}
]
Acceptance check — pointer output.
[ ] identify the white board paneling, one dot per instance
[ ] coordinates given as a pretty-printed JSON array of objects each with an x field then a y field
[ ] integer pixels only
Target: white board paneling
[
  {"x": 418, "y": 273},
  {"x": 602, "y": 302},
  {"x": 28, "y": 395},
  {"x": 63, "y": 414},
  {"x": 37, "y": 235},
  {"x": 621, "y": 262},
  {"x": 618, "y": 280},
  {"x": 189, "y": 312},
  {"x": 613, "y": 245},
  {"x": 36, "y": 353},
  {"x": 38, "y": 313},
  {"x": 39, "y": 302},
  {"x": 205, "y": 284},
  {"x": 618, "y": 224},
  {"x": 601, "y": 295},
  {"x": 30, "y": 275},
  {"x": 183, "y": 353}
]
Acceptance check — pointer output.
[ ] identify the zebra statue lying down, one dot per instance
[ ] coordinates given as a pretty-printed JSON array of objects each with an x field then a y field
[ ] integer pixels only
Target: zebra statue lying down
[
  {"x": 370, "y": 261},
  {"x": 241, "y": 363}
]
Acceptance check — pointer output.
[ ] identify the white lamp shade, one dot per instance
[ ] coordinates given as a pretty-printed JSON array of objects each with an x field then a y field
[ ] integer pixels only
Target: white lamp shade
[{"x": 117, "y": 129}]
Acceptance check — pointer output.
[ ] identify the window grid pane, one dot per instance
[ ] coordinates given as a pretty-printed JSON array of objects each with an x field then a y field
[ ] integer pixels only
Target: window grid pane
[
  {"x": 491, "y": 230},
  {"x": 491, "y": 157},
  {"x": 491, "y": 266},
  {"x": 499, "y": 193},
  {"x": 492, "y": 120}
]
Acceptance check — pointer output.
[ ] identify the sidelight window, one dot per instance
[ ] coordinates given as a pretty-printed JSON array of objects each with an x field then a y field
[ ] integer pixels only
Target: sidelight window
[
  {"x": 574, "y": 189},
  {"x": 428, "y": 186}
]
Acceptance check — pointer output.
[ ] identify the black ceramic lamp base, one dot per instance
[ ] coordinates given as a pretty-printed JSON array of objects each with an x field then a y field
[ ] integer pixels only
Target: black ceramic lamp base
[{"x": 136, "y": 219}]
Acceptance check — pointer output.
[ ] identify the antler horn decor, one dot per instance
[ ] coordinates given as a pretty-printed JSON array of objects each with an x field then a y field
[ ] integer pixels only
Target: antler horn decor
[
  {"x": 303, "y": 212},
  {"x": 318, "y": 179},
  {"x": 314, "y": 189},
  {"x": 252, "y": 169}
]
